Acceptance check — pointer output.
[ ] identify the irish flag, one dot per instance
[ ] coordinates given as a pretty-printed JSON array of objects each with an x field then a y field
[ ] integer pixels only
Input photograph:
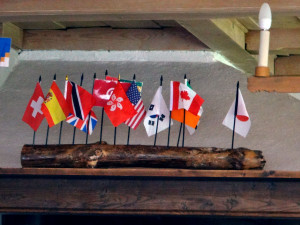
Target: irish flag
[{"x": 55, "y": 107}]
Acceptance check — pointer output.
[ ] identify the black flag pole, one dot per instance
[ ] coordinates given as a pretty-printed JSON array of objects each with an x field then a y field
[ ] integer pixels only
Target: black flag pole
[
  {"x": 115, "y": 131},
  {"x": 128, "y": 137},
  {"x": 89, "y": 116},
  {"x": 47, "y": 135},
  {"x": 161, "y": 80},
  {"x": 33, "y": 138},
  {"x": 74, "y": 130},
  {"x": 102, "y": 115},
  {"x": 235, "y": 111}
]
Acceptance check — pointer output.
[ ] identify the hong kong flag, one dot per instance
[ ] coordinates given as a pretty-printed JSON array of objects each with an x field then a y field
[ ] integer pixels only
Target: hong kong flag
[
  {"x": 119, "y": 107},
  {"x": 33, "y": 115},
  {"x": 103, "y": 90}
]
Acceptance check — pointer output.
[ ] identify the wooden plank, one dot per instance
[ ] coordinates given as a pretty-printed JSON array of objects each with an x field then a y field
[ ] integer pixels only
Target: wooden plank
[
  {"x": 112, "y": 39},
  {"x": 15, "y": 33},
  {"x": 94, "y": 10},
  {"x": 282, "y": 22},
  {"x": 249, "y": 23},
  {"x": 226, "y": 37},
  {"x": 287, "y": 66},
  {"x": 246, "y": 197},
  {"x": 282, "y": 41},
  {"x": 150, "y": 172},
  {"x": 167, "y": 23},
  {"x": 133, "y": 24},
  {"x": 46, "y": 25},
  {"x": 83, "y": 24},
  {"x": 281, "y": 84}
]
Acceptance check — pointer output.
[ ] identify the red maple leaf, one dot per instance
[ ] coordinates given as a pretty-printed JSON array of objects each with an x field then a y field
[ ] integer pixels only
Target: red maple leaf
[{"x": 184, "y": 95}]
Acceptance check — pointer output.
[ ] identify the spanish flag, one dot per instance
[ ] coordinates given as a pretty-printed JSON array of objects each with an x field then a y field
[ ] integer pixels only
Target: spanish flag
[{"x": 55, "y": 107}]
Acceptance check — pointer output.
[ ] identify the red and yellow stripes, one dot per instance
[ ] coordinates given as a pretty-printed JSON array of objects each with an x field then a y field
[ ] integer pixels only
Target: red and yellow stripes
[{"x": 55, "y": 107}]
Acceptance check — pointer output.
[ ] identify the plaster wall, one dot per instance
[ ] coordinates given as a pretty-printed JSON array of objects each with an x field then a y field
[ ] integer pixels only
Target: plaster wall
[{"x": 275, "y": 117}]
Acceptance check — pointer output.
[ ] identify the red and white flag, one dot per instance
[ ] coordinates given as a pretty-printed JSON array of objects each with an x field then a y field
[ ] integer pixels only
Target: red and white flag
[
  {"x": 103, "y": 90},
  {"x": 33, "y": 115},
  {"x": 183, "y": 97},
  {"x": 243, "y": 122},
  {"x": 119, "y": 107}
]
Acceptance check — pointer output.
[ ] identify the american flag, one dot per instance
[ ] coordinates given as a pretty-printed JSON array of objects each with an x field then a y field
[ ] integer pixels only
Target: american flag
[
  {"x": 135, "y": 98},
  {"x": 82, "y": 124}
]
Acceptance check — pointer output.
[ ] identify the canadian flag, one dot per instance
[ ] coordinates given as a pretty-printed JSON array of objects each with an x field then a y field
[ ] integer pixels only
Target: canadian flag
[
  {"x": 33, "y": 115},
  {"x": 183, "y": 97},
  {"x": 243, "y": 122}
]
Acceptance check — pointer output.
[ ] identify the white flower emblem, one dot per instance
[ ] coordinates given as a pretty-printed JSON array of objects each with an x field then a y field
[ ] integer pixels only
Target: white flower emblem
[{"x": 115, "y": 102}]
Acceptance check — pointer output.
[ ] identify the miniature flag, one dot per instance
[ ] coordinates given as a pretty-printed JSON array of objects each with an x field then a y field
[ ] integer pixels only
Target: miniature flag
[
  {"x": 33, "y": 115},
  {"x": 55, "y": 107},
  {"x": 135, "y": 98},
  {"x": 157, "y": 108},
  {"x": 103, "y": 90},
  {"x": 242, "y": 123},
  {"x": 192, "y": 130},
  {"x": 183, "y": 97},
  {"x": 119, "y": 108},
  {"x": 82, "y": 124},
  {"x": 4, "y": 51},
  {"x": 138, "y": 84},
  {"x": 79, "y": 100}
]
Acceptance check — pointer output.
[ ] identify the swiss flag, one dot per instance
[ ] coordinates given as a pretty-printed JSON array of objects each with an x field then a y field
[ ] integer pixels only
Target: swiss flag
[
  {"x": 119, "y": 108},
  {"x": 103, "y": 90},
  {"x": 33, "y": 115}
]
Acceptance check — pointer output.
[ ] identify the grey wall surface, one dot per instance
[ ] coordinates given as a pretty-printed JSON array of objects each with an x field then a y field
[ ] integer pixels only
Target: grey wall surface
[{"x": 275, "y": 117}]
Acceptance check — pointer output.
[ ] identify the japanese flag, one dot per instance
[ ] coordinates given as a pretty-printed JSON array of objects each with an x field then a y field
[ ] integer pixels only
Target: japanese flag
[
  {"x": 158, "y": 108},
  {"x": 243, "y": 122}
]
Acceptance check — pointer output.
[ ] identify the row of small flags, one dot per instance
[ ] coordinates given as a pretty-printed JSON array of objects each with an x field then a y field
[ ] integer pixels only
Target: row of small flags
[{"x": 122, "y": 102}]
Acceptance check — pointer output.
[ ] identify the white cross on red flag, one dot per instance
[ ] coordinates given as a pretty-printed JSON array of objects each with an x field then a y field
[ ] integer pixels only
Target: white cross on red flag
[{"x": 33, "y": 115}]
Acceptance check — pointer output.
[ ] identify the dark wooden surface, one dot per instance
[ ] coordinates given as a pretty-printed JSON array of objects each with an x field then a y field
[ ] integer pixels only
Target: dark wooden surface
[{"x": 150, "y": 192}]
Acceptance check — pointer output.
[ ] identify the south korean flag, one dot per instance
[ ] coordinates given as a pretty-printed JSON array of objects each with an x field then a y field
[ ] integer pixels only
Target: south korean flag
[{"x": 157, "y": 108}]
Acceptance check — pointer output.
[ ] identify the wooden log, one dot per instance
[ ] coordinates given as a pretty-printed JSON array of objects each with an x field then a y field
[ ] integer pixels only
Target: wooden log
[{"x": 103, "y": 155}]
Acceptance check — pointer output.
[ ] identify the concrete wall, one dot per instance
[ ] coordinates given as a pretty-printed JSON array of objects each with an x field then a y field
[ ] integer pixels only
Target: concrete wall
[{"x": 275, "y": 117}]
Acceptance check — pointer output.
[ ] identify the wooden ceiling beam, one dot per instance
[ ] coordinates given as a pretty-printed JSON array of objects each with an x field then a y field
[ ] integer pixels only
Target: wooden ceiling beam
[
  {"x": 282, "y": 41},
  {"x": 288, "y": 66},
  {"x": 94, "y": 10},
  {"x": 175, "y": 38},
  {"x": 15, "y": 33},
  {"x": 226, "y": 37}
]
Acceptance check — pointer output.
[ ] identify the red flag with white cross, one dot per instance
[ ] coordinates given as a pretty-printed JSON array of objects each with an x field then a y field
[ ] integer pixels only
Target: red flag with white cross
[
  {"x": 33, "y": 115},
  {"x": 119, "y": 108}
]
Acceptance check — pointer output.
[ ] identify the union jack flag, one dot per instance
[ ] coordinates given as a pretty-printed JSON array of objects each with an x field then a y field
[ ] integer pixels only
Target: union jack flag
[
  {"x": 82, "y": 124},
  {"x": 135, "y": 98}
]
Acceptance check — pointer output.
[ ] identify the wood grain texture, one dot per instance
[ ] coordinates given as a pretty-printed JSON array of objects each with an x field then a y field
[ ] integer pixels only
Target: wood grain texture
[
  {"x": 287, "y": 66},
  {"x": 282, "y": 41},
  {"x": 99, "y": 156},
  {"x": 149, "y": 172},
  {"x": 94, "y": 10},
  {"x": 112, "y": 39},
  {"x": 281, "y": 84},
  {"x": 247, "y": 197},
  {"x": 226, "y": 37}
]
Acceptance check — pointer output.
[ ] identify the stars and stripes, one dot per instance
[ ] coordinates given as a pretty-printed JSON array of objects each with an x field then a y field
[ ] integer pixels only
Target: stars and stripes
[
  {"x": 82, "y": 124},
  {"x": 135, "y": 98}
]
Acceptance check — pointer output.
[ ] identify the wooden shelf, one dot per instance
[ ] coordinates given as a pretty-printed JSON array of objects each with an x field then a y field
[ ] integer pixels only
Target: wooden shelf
[
  {"x": 149, "y": 172},
  {"x": 143, "y": 191},
  {"x": 281, "y": 84}
]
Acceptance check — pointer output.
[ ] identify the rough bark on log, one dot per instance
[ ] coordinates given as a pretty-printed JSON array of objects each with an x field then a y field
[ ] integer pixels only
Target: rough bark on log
[{"x": 103, "y": 155}]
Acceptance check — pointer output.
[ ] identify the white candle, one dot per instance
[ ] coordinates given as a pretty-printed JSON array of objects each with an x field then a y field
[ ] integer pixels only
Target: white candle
[{"x": 265, "y": 21}]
